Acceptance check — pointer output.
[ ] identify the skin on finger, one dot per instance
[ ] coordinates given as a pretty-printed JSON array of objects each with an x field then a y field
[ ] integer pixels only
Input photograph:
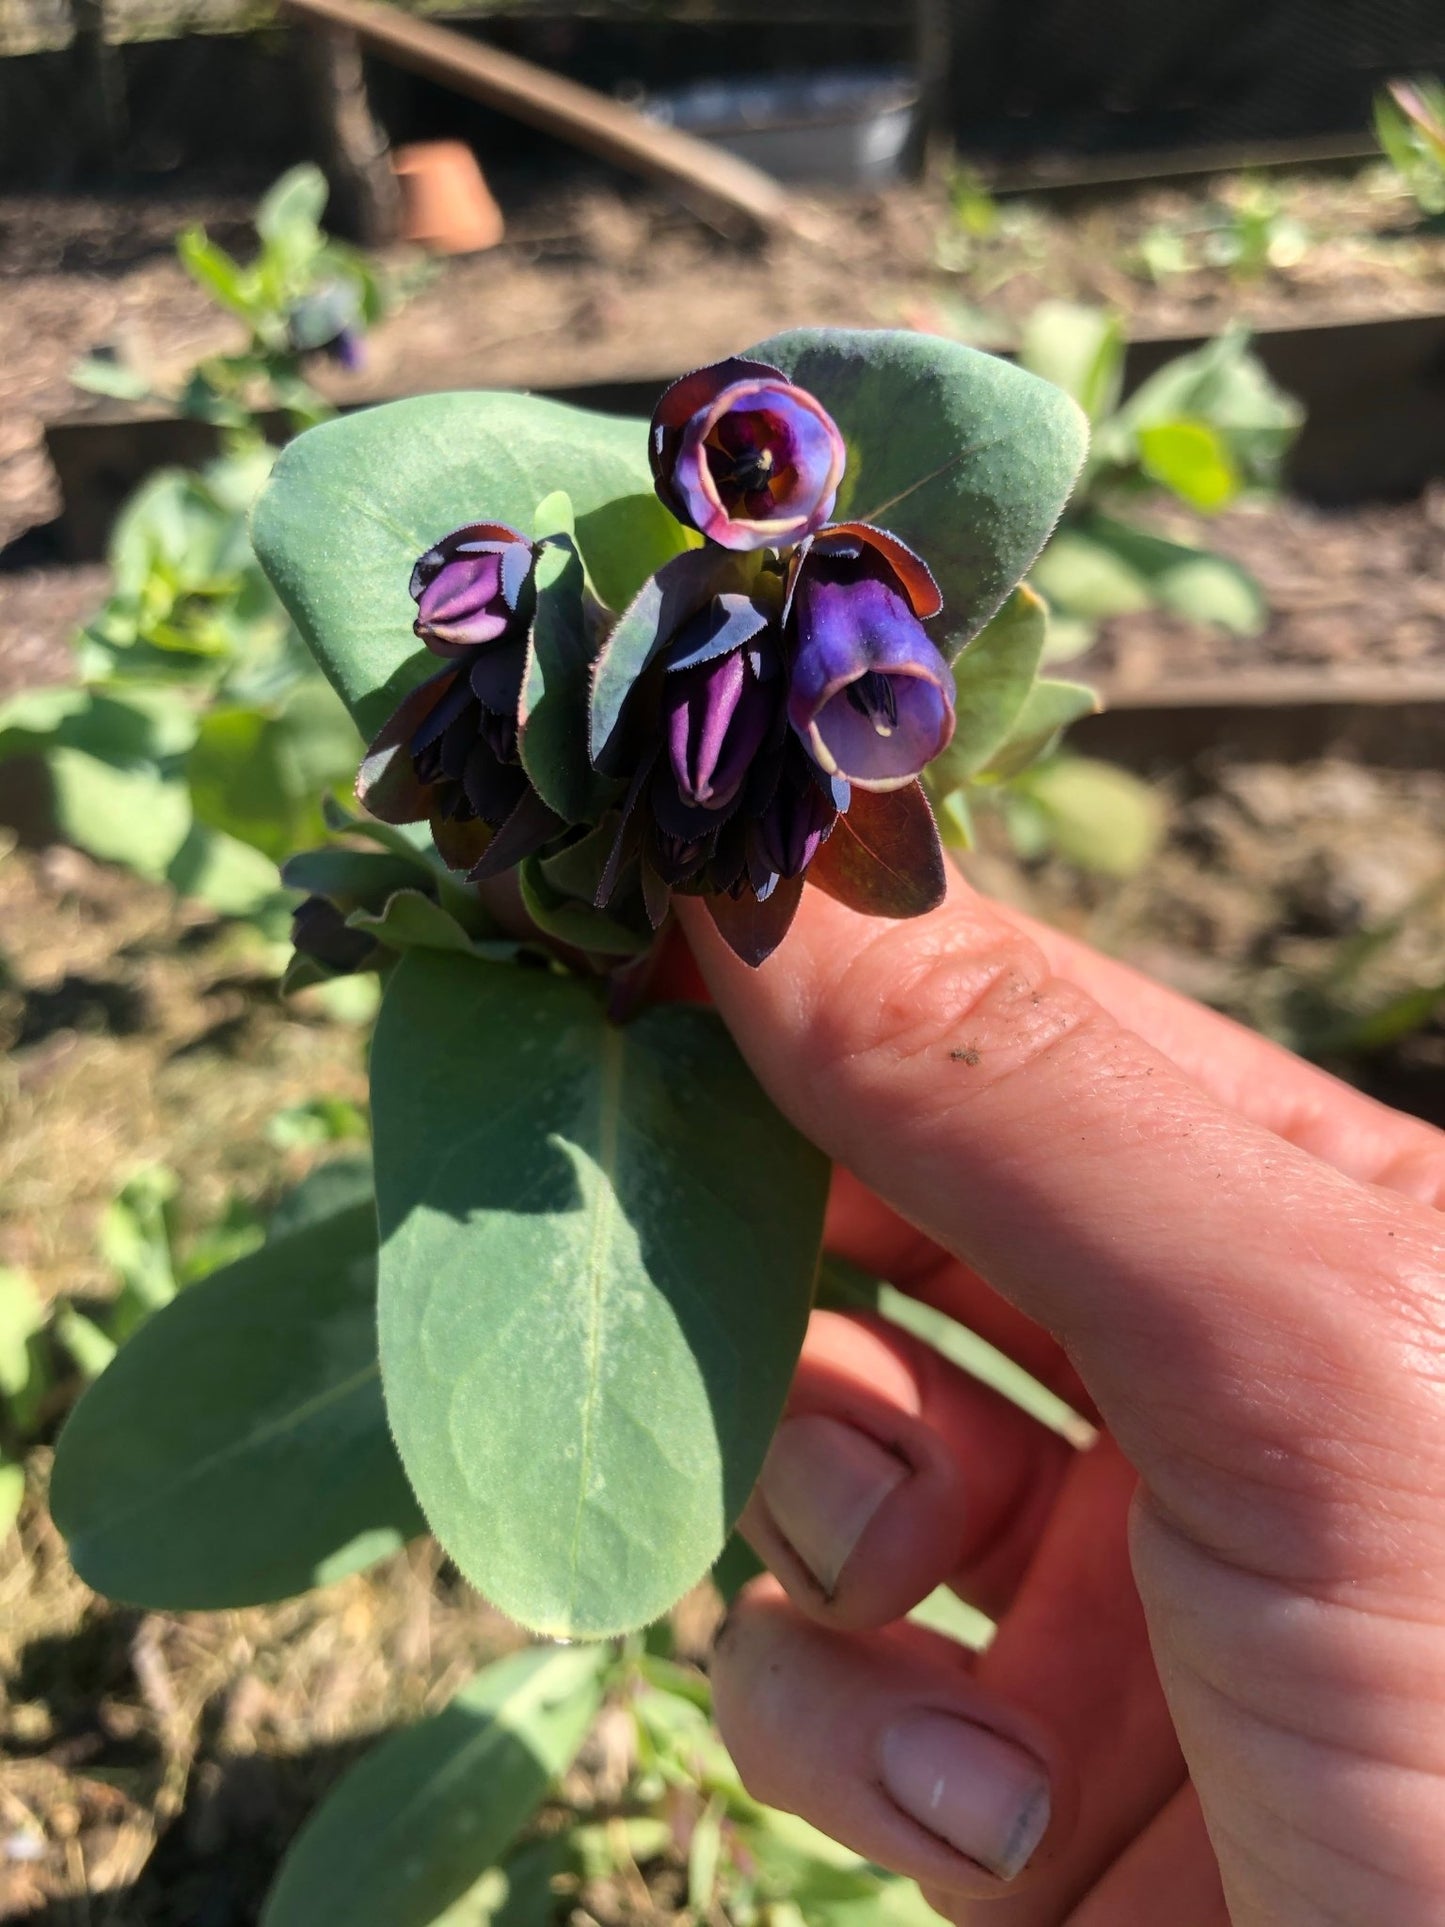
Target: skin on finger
[
  {"x": 843, "y": 1728},
  {"x": 1074, "y": 1651},
  {"x": 807, "y": 1714},
  {"x": 893, "y": 1472},
  {"x": 1228, "y": 1341},
  {"x": 862, "y": 1229},
  {"x": 1253, "y": 1076},
  {"x": 1168, "y": 1873}
]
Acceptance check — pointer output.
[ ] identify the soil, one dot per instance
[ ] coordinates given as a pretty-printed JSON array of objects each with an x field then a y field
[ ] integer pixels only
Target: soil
[
  {"x": 593, "y": 283},
  {"x": 1349, "y": 592}
]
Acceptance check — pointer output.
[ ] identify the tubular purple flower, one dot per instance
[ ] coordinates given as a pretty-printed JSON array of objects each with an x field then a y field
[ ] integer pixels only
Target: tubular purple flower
[
  {"x": 745, "y": 456},
  {"x": 469, "y": 589},
  {"x": 716, "y": 718},
  {"x": 869, "y": 695},
  {"x": 449, "y": 753}
]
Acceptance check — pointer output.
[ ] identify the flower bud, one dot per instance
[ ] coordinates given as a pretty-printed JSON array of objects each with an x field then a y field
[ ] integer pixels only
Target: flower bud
[
  {"x": 869, "y": 694},
  {"x": 449, "y": 753},
  {"x": 745, "y": 456},
  {"x": 469, "y": 589},
  {"x": 716, "y": 718}
]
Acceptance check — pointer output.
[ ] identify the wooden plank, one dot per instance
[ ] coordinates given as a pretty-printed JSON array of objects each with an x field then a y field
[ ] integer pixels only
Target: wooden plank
[{"x": 726, "y": 189}]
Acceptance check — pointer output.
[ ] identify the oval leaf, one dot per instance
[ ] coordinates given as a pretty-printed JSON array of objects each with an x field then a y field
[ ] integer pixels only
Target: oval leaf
[
  {"x": 420, "y": 1819},
  {"x": 598, "y": 1248},
  {"x": 966, "y": 458},
  {"x": 236, "y": 1449}
]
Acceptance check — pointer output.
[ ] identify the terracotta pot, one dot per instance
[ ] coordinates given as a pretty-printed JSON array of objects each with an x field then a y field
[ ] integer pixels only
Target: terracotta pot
[{"x": 445, "y": 203}]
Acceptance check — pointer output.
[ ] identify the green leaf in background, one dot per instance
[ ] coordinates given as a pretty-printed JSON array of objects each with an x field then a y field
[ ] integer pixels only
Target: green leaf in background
[
  {"x": 594, "y": 1284},
  {"x": 1193, "y": 461},
  {"x": 1192, "y": 582},
  {"x": 966, "y": 458},
  {"x": 236, "y": 1450},
  {"x": 1227, "y": 387},
  {"x": 352, "y": 504},
  {"x": 12, "y": 1493},
  {"x": 411, "y": 1828},
  {"x": 992, "y": 679},
  {"x": 1080, "y": 350},
  {"x": 1048, "y": 710},
  {"x": 224, "y": 279},
  {"x": 21, "y": 1317},
  {"x": 1099, "y": 816},
  {"x": 1084, "y": 577},
  {"x": 137, "y": 817},
  {"x": 99, "y": 375},
  {"x": 256, "y": 773},
  {"x": 230, "y": 876}
]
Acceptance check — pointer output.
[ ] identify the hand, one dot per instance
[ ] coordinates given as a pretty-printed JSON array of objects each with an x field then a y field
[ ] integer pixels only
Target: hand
[{"x": 1217, "y": 1688}]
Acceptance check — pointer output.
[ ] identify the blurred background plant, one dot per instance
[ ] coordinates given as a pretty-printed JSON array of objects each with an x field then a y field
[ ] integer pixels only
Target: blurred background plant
[
  {"x": 303, "y": 294},
  {"x": 1208, "y": 429},
  {"x": 1410, "y": 127},
  {"x": 197, "y": 738}
]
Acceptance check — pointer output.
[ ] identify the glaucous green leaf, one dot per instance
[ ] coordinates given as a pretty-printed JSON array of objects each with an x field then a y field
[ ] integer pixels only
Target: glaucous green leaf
[
  {"x": 1100, "y": 817},
  {"x": 966, "y": 458},
  {"x": 1047, "y": 712},
  {"x": 594, "y": 1283},
  {"x": 236, "y": 1449},
  {"x": 992, "y": 678},
  {"x": 1080, "y": 350},
  {"x": 352, "y": 504},
  {"x": 137, "y": 817},
  {"x": 1193, "y": 582},
  {"x": 411, "y": 921},
  {"x": 338, "y": 1185},
  {"x": 231, "y": 876},
  {"x": 579, "y": 923},
  {"x": 626, "y": 540},
  {"x": 556, "y": 689},
  {"x": 414, "y": 1825}
]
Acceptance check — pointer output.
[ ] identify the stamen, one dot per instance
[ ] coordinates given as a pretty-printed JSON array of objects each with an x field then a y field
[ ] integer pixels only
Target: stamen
[{"x": 874, "y": 696}]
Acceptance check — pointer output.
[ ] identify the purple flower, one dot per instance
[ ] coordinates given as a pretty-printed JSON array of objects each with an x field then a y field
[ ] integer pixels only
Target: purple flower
[
  {"x": 722, "y": 801},
  {"x": 326, "y": 321},
  {"x": 743, "y": 455},
  {"x": 449, "y": 754},
  {"x": 869, "y": 694}
]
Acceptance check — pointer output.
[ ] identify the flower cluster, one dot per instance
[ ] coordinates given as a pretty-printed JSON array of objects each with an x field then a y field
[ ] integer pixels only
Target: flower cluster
[{"x": 762, "y": 690}]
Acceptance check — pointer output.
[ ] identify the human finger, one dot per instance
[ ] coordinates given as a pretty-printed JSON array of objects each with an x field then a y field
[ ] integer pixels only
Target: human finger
[
  {"x": 893, "y": 1472},
  {"x": 1008, "y": 1117}
]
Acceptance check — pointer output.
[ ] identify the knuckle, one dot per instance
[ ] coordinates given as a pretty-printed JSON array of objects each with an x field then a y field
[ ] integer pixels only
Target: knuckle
[{"x": 961, "y": 986}]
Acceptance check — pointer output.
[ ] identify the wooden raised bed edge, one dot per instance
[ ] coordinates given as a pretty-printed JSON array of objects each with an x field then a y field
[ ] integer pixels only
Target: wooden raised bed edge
[{"x": 1374, "y": 392}]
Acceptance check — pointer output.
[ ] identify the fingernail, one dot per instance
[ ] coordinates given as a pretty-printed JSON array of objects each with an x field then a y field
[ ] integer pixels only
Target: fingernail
[
  {"x": 822, "y": 1483},
  {"x": 982, "y": 1794}
]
